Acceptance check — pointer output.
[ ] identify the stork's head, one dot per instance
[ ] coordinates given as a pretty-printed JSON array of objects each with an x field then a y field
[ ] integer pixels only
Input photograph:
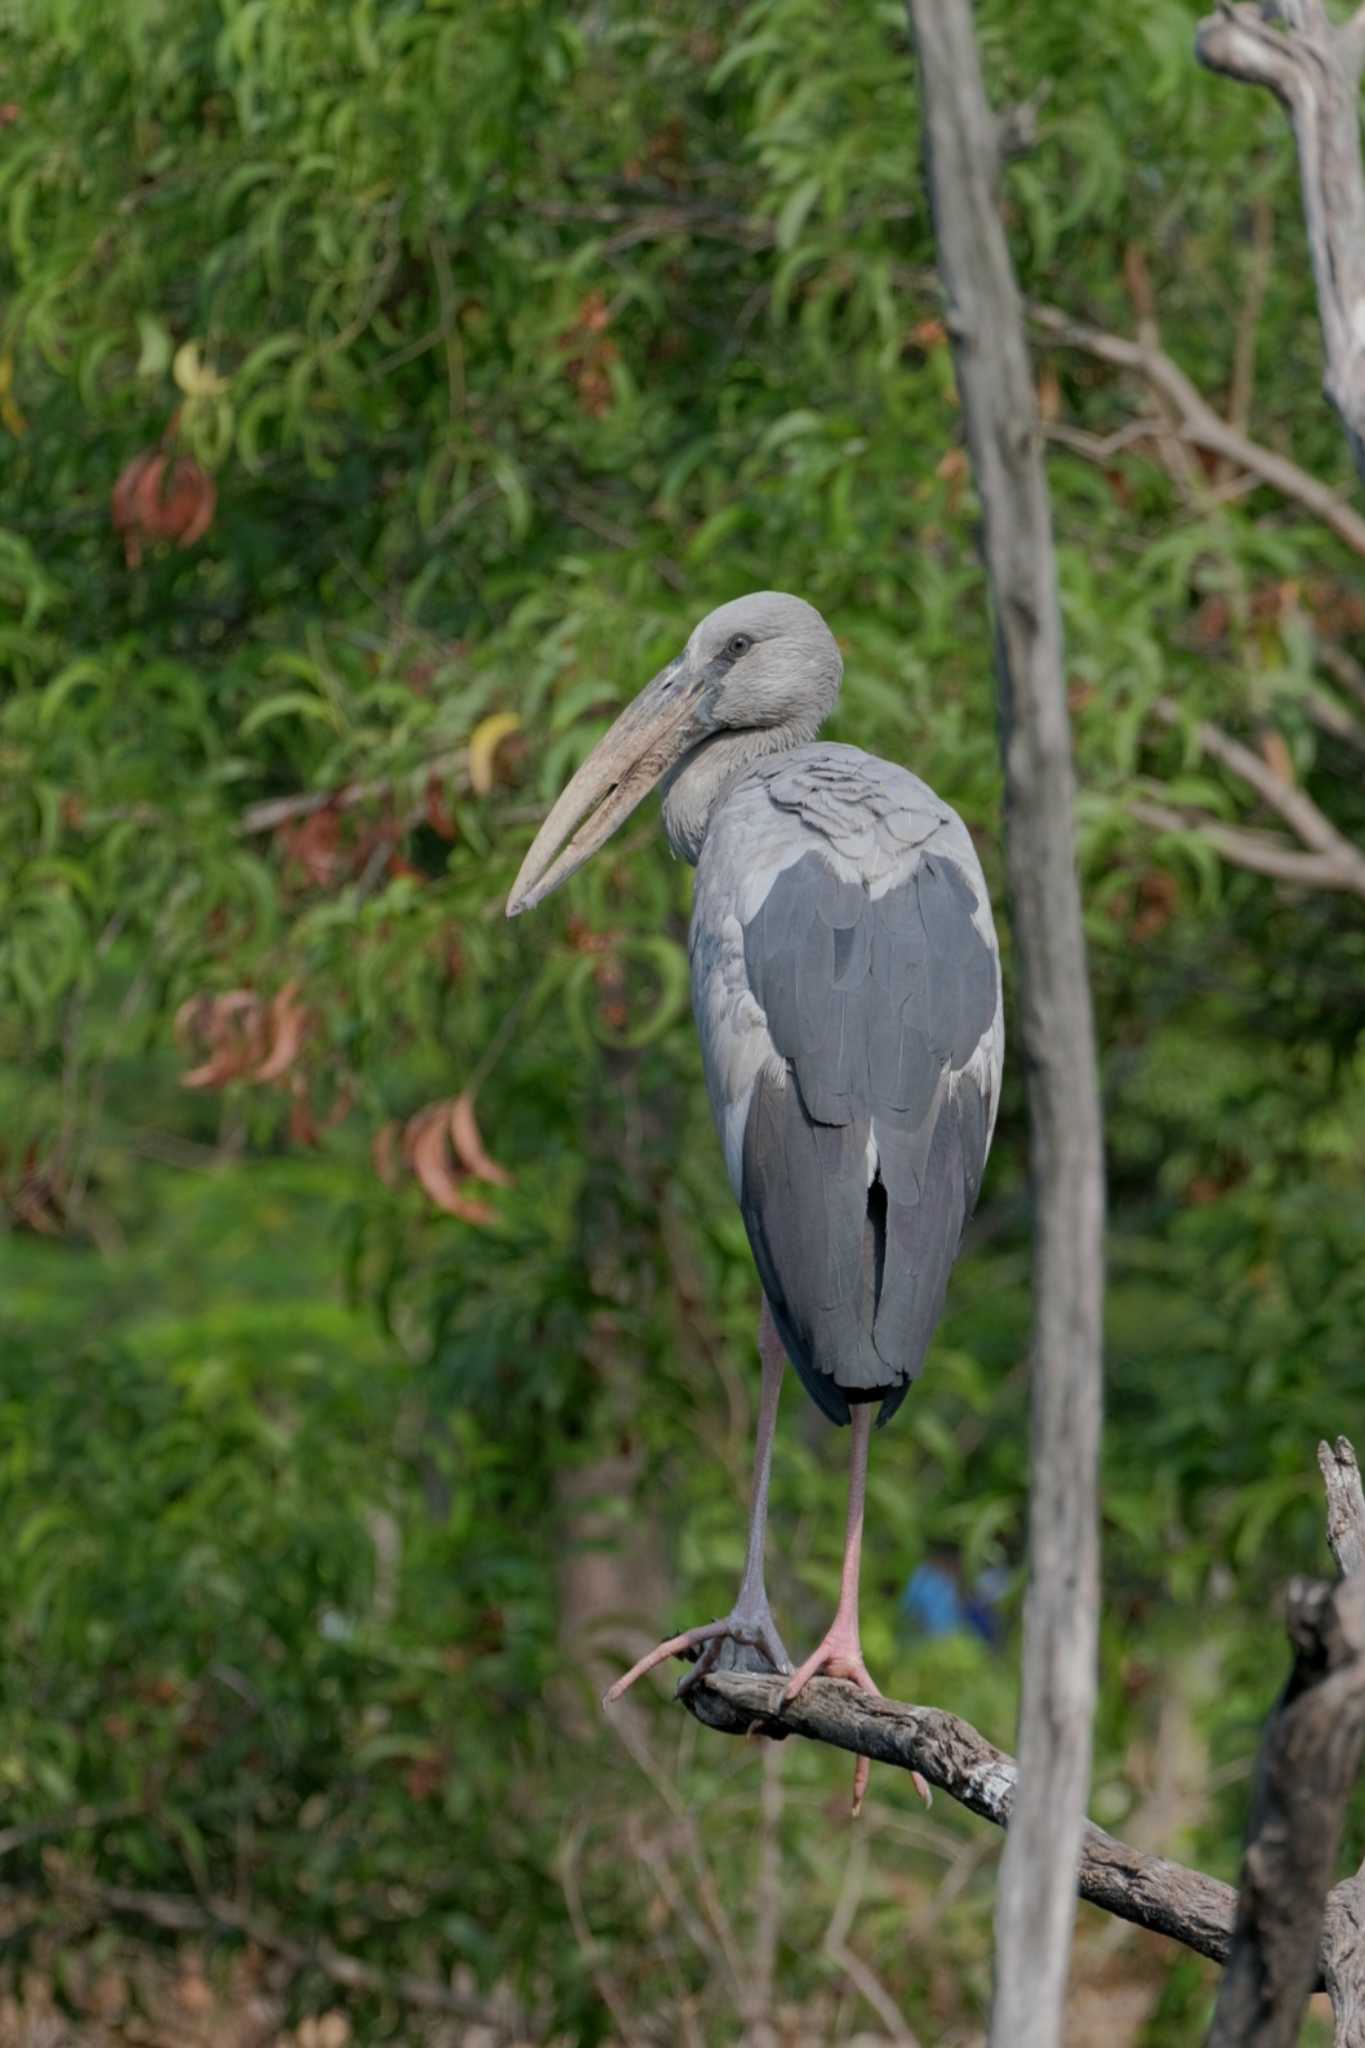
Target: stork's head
[{"x": 761, "y": 662}]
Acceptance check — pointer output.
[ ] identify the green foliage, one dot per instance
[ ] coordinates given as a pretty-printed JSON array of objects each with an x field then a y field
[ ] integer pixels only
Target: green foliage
[{"x": 512, "y": 338}]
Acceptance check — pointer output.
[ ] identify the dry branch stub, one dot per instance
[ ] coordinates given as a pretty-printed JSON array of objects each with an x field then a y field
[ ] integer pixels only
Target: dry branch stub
[{"x": 1308, "y": 1763}]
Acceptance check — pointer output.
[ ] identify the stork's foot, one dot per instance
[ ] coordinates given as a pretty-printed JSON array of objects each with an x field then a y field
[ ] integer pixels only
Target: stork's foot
[
  {"x": 747, "y": 1640},
  {"x": 840, "y": 1656}
]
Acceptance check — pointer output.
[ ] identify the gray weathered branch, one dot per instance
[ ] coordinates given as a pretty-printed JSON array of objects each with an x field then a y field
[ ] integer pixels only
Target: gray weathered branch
[
  {"x": 1343, "y": 1925},
  {"x": 1345, "y": 1504},
  {"x": 1313, "y": 67},
  {"x": 1328, "y": 860},
  {"x": 1150, "y": 1891},
  {"x": 985, "y": 321},
  {"x": 1261, "y": 853},
  {"x": 1195, "y": 420}
]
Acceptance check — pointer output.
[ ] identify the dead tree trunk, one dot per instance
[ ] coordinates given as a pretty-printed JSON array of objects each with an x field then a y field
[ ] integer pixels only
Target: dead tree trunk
[
  {"x": 1313, "y": 67},
  {"x": 985, "y": 322}
]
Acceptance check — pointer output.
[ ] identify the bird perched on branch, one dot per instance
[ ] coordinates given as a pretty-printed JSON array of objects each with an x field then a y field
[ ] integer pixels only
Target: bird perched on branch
[{"x": 846, "y": 987}]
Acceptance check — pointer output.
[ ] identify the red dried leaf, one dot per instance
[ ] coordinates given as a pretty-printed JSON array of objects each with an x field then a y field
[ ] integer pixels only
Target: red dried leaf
[
  {"x": 123, "y": 510},
  {"x": 287, "y": 1025},
  {"x": 469, "y": 1145},
  {"x": 232, "y": 1028},
  {"x": 1158, "y": 899},
  {"x": 436, "y": 809},
  {"x": 314, "y": 845},
  {"x": 162, "y": 497},
  {"x": 427, "y": 1142},
  {"x": 303, "y": 1129}
]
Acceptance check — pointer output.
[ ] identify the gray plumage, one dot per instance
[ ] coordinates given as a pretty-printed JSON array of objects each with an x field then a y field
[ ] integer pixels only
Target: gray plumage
[
  {"x": 845, "y": 979},
  {"x": 847, "y": 992}
]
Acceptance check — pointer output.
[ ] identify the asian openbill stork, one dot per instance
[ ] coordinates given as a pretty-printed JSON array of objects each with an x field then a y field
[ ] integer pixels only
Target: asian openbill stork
[{"x": 846, "y": 986}]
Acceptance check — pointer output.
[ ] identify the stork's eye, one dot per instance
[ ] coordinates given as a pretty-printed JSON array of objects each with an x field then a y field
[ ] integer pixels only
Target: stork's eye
[{"x": 737, "y": 644}]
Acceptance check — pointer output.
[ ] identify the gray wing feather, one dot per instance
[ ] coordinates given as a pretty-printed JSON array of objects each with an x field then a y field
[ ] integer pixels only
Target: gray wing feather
[{"x": 863, "y": 1152}]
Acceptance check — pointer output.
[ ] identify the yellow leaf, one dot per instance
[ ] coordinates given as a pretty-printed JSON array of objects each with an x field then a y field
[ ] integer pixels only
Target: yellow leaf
[
  {"x": 487, "y": 736},
  {"x": 194, "y": 376}
]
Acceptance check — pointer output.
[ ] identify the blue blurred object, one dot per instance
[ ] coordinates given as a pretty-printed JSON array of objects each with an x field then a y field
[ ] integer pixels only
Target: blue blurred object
[{"x": 935, "y": 1604}]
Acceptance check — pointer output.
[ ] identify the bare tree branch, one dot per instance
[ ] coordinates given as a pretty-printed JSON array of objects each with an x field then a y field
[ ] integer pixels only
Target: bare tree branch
[
  {"x": 275, "y": 811},
  {"x": 1197, "y": 422},
  {"x": 1330, "y": 717},
  {"x": 1343, "y": 668},
  {"x": 1345, "y": 1504},
  {"x": 984, "y": 316},
  {"x": 1313, "y": 68},
  {"x": 1259, "y": 852},
  {"x": 1149, "y": 1891},
  {"x": 1290, "y": 803}
]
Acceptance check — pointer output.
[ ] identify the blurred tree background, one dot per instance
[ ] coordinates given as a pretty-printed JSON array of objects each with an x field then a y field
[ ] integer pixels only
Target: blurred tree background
[{"x": 385, "y": 389}]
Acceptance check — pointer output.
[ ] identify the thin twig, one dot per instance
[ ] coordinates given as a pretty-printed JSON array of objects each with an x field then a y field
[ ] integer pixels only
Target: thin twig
[
  {"x": 1290, "y": 803},
  {"x": 1340, "y": 865},
  {"x": 275, "y": 811},
  {"x": 864, "y": 1980},
  {"x": 1343, "y": 668},
  {"x": 1199, "y": 424},
  {"x": 1261, "y": 853},
  {"x": 761, "y": 2032}
]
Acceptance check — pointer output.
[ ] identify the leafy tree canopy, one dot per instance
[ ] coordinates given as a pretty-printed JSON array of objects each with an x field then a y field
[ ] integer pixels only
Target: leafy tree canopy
[{"x": 384, "y": 391}]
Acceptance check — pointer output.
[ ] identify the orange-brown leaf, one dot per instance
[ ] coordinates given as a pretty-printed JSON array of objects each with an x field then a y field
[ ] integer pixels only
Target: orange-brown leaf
[
  {"x": 303, "y": 1128},
  {"x": 231, "y": 1027},
  {"x": 162, "y": 497},
  {"x": 469, "y": 1145},
  {"x": 287, "y": 1026},
  {"x": 429, "y": 1133}
]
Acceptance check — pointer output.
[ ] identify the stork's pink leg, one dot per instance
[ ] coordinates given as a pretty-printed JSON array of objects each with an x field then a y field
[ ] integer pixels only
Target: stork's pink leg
[
  {"x": 749, "y": 1624},
  {"x": 840, "y": 1655}
]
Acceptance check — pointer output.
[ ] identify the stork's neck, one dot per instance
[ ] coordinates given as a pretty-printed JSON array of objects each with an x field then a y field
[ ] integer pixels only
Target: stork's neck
[{"x": 701, "y": 778}]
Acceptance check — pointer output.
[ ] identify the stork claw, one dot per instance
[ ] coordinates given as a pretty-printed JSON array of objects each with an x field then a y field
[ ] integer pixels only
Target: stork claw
[
  {"x": 753, "y": 1631},
  {"x": 837, "y": 1657}
]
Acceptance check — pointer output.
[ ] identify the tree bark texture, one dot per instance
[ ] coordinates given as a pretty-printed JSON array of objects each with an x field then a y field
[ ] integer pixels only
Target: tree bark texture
[
  {"x": 985, "y": 320},
  {"x": 1310, "y": 1755},
  {"x": 1313, "y": 68},
  {"x": 1285, "y": 1934},
  {"x": 1150, "y": 1891},
  {"x": 1290, "y": 1929}
]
